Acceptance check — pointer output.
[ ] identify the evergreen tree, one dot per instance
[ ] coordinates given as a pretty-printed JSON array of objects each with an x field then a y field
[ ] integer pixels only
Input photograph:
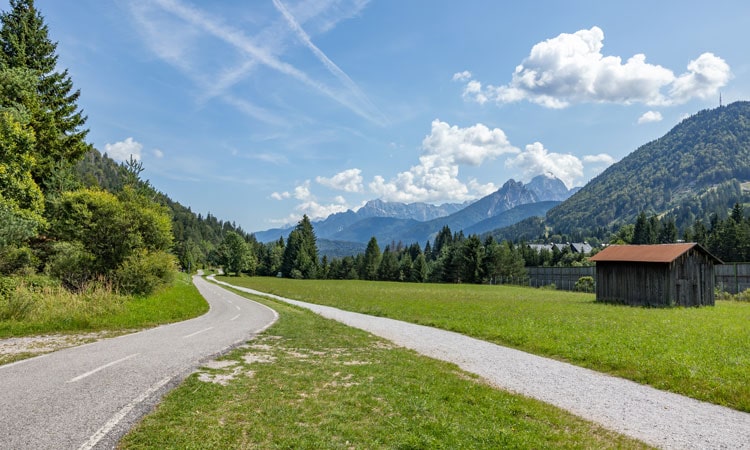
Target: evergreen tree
[
  {"x": 668, "y": 231},
  {"x": 471, "y": 254},
  {"x": 372, "y": 261},
  {"x": 641, "y": 232},
  {"x": 57, "y": 123},
  {"x": 388, "y": 269},
  {"x": 419, "y": 269},
  {"x": 300, "y": 258}
]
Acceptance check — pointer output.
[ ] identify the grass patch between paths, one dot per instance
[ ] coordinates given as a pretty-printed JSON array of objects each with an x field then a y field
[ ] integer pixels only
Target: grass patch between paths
[
  {"x": 309, "y": 382},
  {"x": 703, "y": 353}
]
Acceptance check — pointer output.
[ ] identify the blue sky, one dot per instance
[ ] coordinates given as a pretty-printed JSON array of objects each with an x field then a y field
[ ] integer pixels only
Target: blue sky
[{"x": 260, "y": 111}]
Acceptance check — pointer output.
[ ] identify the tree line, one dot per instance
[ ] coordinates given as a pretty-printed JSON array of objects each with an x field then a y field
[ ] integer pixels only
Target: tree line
[
  {"x": 449, "y": 258},
  {"x": 455, "y": 258}
]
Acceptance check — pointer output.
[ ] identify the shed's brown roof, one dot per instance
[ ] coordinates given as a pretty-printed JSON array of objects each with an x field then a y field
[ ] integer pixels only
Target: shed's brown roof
[{"x": 660, "y": 253}]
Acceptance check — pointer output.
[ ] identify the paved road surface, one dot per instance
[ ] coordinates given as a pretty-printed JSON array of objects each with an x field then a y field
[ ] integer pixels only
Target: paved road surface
[
  {"x": 657, "y": 417},
  {"x": 89, "y": 396}
]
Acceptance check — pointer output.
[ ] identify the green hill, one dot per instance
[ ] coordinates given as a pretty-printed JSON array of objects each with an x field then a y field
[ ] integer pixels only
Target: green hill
[{"x": 696, "y": 169}]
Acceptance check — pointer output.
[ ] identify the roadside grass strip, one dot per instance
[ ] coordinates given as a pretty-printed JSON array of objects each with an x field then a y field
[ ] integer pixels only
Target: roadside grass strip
[
  {"x": 310, "y": 382},
  {"x": 703, "y": 353},
  {"x": 57, "y": 310}
]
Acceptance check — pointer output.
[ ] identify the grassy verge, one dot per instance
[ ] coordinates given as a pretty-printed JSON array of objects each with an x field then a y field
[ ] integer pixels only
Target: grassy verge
[
  {"x": 51, "y": 309},
  {"x": 309, "y": 382},
  {"x": 703, "y": 353}
]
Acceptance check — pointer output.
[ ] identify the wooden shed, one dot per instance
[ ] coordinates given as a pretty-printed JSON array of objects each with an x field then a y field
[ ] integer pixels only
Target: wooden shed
[{"x": 655, "y": 275}]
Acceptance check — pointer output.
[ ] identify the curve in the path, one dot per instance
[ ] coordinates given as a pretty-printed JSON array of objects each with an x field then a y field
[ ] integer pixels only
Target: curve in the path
[
  {"x": 89, "y": 396},
  {"x": 659, "y": 418}
]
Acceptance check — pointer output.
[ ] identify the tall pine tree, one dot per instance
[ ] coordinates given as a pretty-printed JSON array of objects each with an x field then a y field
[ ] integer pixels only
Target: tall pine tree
[
  {"x": 57, "y": 123},
  {"x": 300, "y": 258}
]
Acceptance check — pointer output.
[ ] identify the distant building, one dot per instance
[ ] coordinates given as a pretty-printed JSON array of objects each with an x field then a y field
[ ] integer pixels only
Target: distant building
[
  {"x": 581, "y": 247},
  {"x": 655, "y": 275},
  {"x": 576, "y": 247}
]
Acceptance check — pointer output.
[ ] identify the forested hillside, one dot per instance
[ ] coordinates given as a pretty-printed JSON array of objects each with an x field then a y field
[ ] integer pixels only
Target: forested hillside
[{"x": 693, "y": 171}]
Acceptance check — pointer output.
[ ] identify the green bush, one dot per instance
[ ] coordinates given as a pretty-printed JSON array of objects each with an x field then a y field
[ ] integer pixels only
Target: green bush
[
  {"x": 143, "y": 272},
  {"x": 17, "y": 260},
  {"x": 585, "y": 284},
  {"x": 71, "y": 264},
  {"x": 743, "y": 296}
]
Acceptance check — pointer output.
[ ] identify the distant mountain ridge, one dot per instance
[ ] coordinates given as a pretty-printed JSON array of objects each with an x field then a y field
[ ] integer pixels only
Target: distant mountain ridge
[{"x": 419, "y": 222}]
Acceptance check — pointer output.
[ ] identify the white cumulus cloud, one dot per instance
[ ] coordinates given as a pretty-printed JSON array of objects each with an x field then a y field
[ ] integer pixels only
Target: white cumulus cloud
[
  {"x": 601, "y": 158},
  {"x": 315, "y": 210},
  {"x": 462, "y": 76},
  {"x": 123, "y": 150},
  {"x": 571, "y": 68},
  {"x": 280, "y": 195},
  {"x": 302, "y": 192},
  {"x": 309, "y": 204},
  {"x": 536, "y": 159},
  {"x": 650, "y": 116},
  {"x": 349, "y": 180},
  {"x": 444, "y": 150},
  {"x": 703, "y": 79}
]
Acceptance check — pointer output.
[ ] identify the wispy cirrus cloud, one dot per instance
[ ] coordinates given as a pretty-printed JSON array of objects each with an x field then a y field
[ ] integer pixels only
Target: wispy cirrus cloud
[
  {"x": 335, "y": 70},
  {"x": 178, "y": 41}
]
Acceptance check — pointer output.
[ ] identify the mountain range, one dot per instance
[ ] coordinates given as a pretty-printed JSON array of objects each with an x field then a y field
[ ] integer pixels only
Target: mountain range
[{"x": 419, "y": 222}]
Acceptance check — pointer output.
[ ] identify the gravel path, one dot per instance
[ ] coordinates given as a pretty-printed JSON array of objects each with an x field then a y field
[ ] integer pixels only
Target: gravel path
[{"x": 659, "y": 418}]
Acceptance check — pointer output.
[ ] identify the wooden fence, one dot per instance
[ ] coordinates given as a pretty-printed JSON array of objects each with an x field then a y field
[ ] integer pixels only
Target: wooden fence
[{"x": 731, "y": 278}]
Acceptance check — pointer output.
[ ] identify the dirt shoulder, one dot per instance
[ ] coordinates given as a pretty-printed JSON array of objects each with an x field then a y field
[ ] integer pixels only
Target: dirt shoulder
[{"x": 18, "y": 348}]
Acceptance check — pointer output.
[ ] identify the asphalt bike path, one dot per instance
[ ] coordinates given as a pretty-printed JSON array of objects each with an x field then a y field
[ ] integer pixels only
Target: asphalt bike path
[
  {"x": 659, "y": 418},
  {"x": 89, "y": 396}
]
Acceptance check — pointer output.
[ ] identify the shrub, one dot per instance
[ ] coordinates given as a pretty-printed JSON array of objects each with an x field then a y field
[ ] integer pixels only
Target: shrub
[
  {"x": 743, "y": 296},
  {"x": 71, "y": 264},
  {"x": 18, "y": 260},
  {"x": 585, "y": 284},
  {"x": 143, "y": 272}
]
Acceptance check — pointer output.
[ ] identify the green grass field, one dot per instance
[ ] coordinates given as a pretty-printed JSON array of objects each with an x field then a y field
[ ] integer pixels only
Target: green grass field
[
  {"x": 55, "y": 310},
  {"x": 703, "y": 353},
  {"x": 311, "y": 383}
]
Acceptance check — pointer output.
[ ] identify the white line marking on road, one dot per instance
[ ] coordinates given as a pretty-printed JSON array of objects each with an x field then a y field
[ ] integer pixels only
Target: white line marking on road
[
  {"x": 234, "y": 318},
  {"x": 91, "y": 372},
  {"x": 238, "y": 308},
  {"x": 198, "y": 332},
  {"x": 111, "y": 423}
]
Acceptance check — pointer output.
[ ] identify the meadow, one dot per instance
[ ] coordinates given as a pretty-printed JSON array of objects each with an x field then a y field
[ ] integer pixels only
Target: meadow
[
  {"x": 309, "y": 383},
  {"x": 702, "y": 353}
]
